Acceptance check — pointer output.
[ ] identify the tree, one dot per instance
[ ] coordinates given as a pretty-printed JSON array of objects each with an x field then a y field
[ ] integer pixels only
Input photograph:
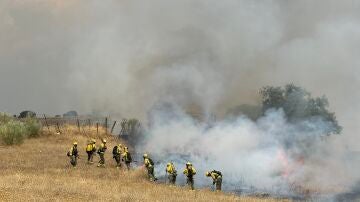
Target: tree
[
  {"x": 298, "y": 105},
  {"x": 70, "y": 114},
  {"x": 25, "y": 114}
]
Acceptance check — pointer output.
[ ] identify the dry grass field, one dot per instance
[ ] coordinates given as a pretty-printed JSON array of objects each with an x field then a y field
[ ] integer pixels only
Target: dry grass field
[{"x": 39, "y": 170}]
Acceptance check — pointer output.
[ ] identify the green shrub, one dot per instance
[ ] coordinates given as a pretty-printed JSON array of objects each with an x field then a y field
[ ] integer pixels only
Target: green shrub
[
  {"x": 5, "y": 118},
  {"x": 32, "y": 127},
  {"x": 12, "y": 132}
]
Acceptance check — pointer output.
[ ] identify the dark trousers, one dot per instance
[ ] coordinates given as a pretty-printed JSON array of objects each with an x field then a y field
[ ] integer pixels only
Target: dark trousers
[
  {"x": 172, "y": 178},
  {"x": 118, "y": 160},
  {"x": 190, "y": 182},
  {"x": 150, "y": 170},
  {"x": 73, "y": 160},
  {"x": 128, "y": 165},
  {"x": 218, "y": 183},
  {"x": 90, "y": 155},
  {"x": 102, "y": 158}
]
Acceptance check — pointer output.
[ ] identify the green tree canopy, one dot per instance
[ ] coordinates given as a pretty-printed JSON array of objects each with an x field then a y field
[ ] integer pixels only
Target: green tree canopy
[{"x": 298, "y": 104}]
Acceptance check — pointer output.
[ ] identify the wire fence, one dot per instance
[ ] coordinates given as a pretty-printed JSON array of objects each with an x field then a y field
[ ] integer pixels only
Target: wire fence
[
  {"x": 129, "y": 130},
  {"x": 110, "y": 125},
  {"x": 122, "y": 127}
]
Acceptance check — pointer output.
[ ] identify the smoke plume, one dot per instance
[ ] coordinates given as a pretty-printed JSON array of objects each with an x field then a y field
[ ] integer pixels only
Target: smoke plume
[
  {"x": 123, "y": 57},
  {"x": 269, "y": 154}
]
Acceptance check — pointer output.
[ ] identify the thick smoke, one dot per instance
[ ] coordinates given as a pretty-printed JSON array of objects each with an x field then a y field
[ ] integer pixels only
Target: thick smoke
[
  {"x": 269, "y": 154},
  {"x": 122, "y": 57}
]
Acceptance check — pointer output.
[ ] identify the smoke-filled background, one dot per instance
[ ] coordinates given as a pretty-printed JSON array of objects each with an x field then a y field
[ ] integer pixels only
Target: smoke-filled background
[{"x": 123, "y": 57}]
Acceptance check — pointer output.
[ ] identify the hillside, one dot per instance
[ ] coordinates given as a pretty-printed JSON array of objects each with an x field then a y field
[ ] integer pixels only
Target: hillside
[{"x": 39, "y": 170}]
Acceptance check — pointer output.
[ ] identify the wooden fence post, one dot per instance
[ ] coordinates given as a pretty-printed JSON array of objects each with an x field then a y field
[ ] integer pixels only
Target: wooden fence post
[
  {"x": 78, "y": 124},
  {"x": 58, "y": 127},
  {"x": 113, "y": 126},
  {"x": 106, "y": 124},
  {"x": 97, "y": 129},
  {"x": 46, "y": 123}
]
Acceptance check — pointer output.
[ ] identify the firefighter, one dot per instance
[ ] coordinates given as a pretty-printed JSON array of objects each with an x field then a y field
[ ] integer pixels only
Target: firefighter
[
  {"x": 117, "y": 150},
  {"x": 149, "y": 165},
  {"x": 101, "y": 152},
  {"x": 172, "y": 173},
  {"x": 189, "y": 172},
  {"x": 73, "y": 154},
  {"x": 127, "y": 158},
  {"x": 90, "y": 150},
  {"x": 217, "y": 178}
]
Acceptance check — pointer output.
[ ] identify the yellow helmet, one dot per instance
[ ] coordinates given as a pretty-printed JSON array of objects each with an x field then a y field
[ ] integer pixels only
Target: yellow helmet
[
  {"x": 145, "y": 155},
  {"x": 120, "y": 145},
  {"x": 207, "y": 174},
  {"x": 75, "y": 143},
  {"x": 104, "y": 141},
  {"x": 168, "y": 164},
  {"x": 188, "y": 164},
  {"x": 93, "y": 140}
]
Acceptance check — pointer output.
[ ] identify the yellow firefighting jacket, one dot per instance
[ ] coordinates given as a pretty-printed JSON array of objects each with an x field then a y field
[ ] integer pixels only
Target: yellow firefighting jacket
[
  {"x": 73, "y": 151},
  {"x": 214, "y": 175},
  {"x": 89, "y": 147},
  {"x": 119, "y": 150},
  {"x": 102, "y": 148},
  {"x": 190, "y": 172},
  {"x": 170, "y": 169},
  {"x": 126, "y": 156},
  {"x": 147, "y": 163}
]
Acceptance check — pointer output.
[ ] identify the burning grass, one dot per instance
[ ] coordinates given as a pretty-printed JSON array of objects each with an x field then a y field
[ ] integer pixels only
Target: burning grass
[{"x": 39, "y": 170}]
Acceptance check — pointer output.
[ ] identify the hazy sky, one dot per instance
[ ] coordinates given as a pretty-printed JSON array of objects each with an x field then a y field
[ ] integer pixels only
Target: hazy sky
[{"x": 121, "y": 57}]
